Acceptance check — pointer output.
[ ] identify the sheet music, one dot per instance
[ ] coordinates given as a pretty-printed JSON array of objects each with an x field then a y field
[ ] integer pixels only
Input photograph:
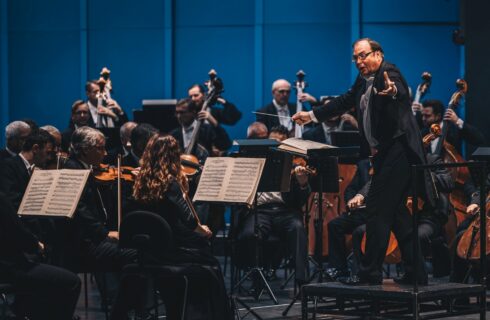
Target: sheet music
[
  {"x": 229, "y": 180},
  {"x": 53, "y": 192}
]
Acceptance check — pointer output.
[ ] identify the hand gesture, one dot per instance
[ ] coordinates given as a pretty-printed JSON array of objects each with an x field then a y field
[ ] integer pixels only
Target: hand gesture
[
  {"x": 113, "y": 235},
  {"x": 302, "y": 118},
  {"x": 301, "y": 174},
  {"x": 416, "y": 107},
  {"x": 450, "y": 115},
  {"x": 390, "y": 87},
  {"x": 204, "y": 230}
]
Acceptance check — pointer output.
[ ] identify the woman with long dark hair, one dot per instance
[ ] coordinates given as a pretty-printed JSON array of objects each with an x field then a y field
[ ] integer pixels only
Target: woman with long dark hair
[{"x": 160, "y": 187}]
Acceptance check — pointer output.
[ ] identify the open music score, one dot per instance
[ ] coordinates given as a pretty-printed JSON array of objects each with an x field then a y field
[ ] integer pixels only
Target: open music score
[
  {"x": 233, "y": 180},
  {"x": 53, "y": 192},
  {"x": 302, "y": 146}
]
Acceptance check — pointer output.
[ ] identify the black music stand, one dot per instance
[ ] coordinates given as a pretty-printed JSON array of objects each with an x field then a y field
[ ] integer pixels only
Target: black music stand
[
  {"x": 327, "y": 180},
  {"x": 275, "y": 177}
]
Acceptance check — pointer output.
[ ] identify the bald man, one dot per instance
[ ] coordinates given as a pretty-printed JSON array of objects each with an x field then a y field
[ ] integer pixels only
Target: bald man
[{"x": 280, "y": 106}]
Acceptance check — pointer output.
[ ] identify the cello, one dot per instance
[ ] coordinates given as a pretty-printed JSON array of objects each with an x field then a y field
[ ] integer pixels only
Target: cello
[
  {"x": 449, "y": 154},
  {"x": 469, "y": 244}
]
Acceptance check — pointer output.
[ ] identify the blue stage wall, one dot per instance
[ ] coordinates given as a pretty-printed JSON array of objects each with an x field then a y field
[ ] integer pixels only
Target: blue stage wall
[{"x": 156, "y": 49}]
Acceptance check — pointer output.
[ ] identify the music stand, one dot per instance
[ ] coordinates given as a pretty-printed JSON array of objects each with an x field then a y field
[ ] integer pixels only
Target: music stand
[
  {"x": 275, "y": 177},
  {"x": 160, "y": 113}
]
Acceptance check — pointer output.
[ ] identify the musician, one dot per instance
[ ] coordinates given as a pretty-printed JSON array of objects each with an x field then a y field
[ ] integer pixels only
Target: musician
[
  {"x": 15, "y": 134},
  {"x": 227, "y": 114},
  {"x": 280, "y": 106},
  {"x": 388, "y": 128},
  {"x": 280, "y": 213},
  {"x": 112, "y": 114},
  {"x": 188, "y": 115},
  {"x": 80, "y": 116},
  {"x": 139, "y": 138},
  {"x": 88, "y": 237},
  {"x": 42, "y": 291},
  {"x": 257, "y": 130},
  {"x": 125, "y": 148},
  {"x": 460, "y": 267},
  {"x": 458, "y": 130},
  {"x": 279, "y": 133},
  {"x": 355, "y": 195},
  {"x": 160, "y": 188},
  {"x": 322, "y": 132},
  {"x": 37, "y": 149}
]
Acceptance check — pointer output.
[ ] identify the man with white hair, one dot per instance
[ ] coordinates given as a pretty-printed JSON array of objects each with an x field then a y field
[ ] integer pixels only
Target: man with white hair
[
  {"x": 279, "y": 110},
  {"x": 15, "y": 134}
]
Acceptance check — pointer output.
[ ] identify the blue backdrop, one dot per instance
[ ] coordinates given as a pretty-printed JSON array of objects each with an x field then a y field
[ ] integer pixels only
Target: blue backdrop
[{"x": 157, "y": 48}]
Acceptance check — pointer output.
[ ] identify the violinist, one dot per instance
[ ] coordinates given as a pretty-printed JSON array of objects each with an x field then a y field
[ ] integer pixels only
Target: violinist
[
  {"x": 160, "y": 187},
  {"x": 15, "y": 135},
  {"x": 140, "y": 136},
  {"x": 124, "y": 149},
  {"x": 187, "y": 113},
  {"x": 459, "y": 130},
  {"x": 257, "y": 130},
  {"x": 89, "y": 239},
  {"x": 227, "y": 114},
  {"x": 37, "y": 149},
  {"x": 57, "y": 157},
  {"x": 280, "y": 213}
]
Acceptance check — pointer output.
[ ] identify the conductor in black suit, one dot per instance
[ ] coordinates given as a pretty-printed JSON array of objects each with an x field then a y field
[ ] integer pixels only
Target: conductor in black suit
[
  {"x": 280, "y": 106},
  {"x": 388, "y": 131}
]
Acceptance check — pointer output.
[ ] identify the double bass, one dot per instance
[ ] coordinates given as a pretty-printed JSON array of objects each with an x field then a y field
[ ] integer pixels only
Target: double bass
[{"x": 190, "y": 163}]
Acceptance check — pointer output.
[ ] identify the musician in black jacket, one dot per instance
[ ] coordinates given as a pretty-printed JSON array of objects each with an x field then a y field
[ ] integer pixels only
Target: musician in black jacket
[
  {"x": 89, "y": 239},
  {"x": 280, "y": 106},
  {"x": 458, "y": 130},
  {"x": 42, "y": 291},
  {"x": 389, "y": 131},
  {"x": 227, "y": 113},
  {"x": 15, "y": 135},
  {"x": 210, "y": 134}
]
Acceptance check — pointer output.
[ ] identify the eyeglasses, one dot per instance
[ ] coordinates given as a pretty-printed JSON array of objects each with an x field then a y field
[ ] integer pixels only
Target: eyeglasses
[
  {"x": 361, "y": 56},
  {"x": 284, "y": 91}
]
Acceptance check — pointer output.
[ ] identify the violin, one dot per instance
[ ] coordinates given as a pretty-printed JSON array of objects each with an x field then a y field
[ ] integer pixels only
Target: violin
[
  {"x": 435, "y": 132},
  {"x": 190, "y": 164},
  {"x": 301, "y": 162},
  {"x": 107, "y": 174}
]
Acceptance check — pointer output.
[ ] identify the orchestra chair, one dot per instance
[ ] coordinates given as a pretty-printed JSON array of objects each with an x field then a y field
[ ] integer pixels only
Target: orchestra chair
[
  {"x": 151, "y": 236},
  {"x": 5, "y": 289}
]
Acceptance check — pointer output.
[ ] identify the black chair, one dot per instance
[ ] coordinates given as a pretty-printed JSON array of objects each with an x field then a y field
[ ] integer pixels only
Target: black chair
[
  {"x": 5, "y": 289},
  {"x": 151, "y": 236}
]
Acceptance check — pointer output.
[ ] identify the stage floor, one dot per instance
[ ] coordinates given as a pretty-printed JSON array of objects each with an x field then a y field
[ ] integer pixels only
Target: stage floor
[{"x": 265, "y": 308}]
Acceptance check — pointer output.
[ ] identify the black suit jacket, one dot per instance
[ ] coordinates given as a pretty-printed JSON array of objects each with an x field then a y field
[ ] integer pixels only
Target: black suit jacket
[
  {"x": 89, "y": 220},
  {"x": 227, "y": 114},
  {"x": 271, "y": 121},
  {"x": 391, "y": 117},
  {"x": 208, "y": 136},
  {"x": 4, "y": 155},
  {"x": 14, "y": 180}
]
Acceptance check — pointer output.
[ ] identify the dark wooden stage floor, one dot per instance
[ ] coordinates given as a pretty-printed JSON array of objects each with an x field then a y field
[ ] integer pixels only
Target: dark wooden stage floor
[{"x": 264, "y": 307}]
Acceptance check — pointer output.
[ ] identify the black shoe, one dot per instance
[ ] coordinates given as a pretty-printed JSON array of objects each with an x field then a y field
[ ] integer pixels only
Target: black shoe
[
  {"x": 407, "y": 279},
  {"x": 334, "y": 274},
  {"x": 355, "y": 280}
]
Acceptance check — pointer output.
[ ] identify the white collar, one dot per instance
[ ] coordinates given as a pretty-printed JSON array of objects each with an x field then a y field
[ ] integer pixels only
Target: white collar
[
  {"x": 26, "y": 163},
  {"x": 279, "y": 107}
]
